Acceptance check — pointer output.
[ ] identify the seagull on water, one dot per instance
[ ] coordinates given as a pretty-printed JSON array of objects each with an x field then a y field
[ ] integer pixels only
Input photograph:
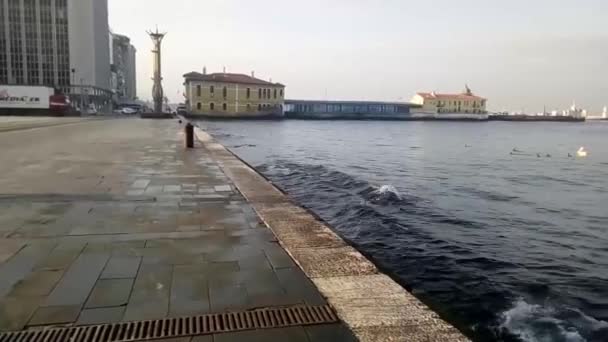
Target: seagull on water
[{"x": 581, "y": 152}]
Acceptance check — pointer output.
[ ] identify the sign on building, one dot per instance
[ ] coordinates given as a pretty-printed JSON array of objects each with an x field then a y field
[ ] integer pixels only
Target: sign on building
[{"x": 25, "y": 97}]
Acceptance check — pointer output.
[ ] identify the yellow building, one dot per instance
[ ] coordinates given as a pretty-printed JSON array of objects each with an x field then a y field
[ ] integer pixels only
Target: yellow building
[
  {"x": 464, "y": 103},
  {"x": 232, "y": 95}
]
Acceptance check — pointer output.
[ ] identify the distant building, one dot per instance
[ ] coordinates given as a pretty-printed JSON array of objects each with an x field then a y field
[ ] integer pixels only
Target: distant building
[
  {"x": 464, "y": 103},
  {"x": 123, "y": 68},
  {"x": 226, "y": 95},
  {"x": 347, "y": 110},
  {"x": 57, "y": 43}
]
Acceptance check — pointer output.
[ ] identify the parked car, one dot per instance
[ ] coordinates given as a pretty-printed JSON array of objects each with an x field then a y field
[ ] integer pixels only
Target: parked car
[
  {"x": 182, "y": 109},
  {"x": 91, "y": 110},
  {"x": 128, "y": 111}
]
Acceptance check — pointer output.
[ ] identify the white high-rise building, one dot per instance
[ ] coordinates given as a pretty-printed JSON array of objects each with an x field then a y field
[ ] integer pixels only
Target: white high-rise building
[{"x": 57, "y": 43}]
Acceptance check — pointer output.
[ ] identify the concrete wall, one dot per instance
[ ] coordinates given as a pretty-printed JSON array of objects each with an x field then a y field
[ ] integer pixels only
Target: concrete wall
[{"x": 205, "y": 101}]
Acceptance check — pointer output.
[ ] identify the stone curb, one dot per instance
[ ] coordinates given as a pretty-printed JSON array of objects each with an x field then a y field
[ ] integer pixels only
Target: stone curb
[{"x": 374, "y": 306}]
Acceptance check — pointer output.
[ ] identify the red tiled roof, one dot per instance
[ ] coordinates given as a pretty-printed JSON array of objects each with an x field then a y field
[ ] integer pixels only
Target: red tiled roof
[
  {"x": 228, "y": 78},
  {"x": 450, "y": 96}
]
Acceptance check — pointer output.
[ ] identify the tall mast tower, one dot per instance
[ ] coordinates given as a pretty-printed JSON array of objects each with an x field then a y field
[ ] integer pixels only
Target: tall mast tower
[{"x": 157, "y": 88}]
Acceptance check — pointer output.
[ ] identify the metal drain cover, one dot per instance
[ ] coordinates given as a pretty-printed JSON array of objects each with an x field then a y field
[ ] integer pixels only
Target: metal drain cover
[{"x": 180, "y": 327}]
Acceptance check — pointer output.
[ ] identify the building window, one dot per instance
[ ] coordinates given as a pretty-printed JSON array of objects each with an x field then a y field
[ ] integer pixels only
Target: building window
[
  {"x": 224, "y": 107},
  {"x": 212, "y": 106},
  {"x": 248, "y": 107},
  {"x": 248, "y": 92},
  {"x": 212, "y": 90},
  {"x": 275, "y": 93},
  {"x": 259, "y": 93},
  {"x": 259, "y": 107},
  {"x": 198, "y": 90},
  {"x": 198, "y": 105},
  {"x": 281, "y": 92},
  {"x": 225, "y": 92}
]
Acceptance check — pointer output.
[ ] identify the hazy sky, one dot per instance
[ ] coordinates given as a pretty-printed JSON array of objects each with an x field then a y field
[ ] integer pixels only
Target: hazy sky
[{"x": 520, "y": 54}]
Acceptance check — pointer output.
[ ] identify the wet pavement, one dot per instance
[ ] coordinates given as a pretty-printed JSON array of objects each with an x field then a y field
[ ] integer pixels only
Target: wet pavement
[
  {"x": 113, "y": 220},
  {"x": 14, "y": 123}
]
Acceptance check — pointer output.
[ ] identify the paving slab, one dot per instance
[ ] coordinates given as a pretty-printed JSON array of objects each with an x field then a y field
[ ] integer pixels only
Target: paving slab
[
  {"x": 121, "y": 266},
  {"x": 59, "y": 259},
  {"x": 21, "y": 264},
  {"x": 278, "y": 257},
  {"x": 15, "y": 312},
  {"x": 110, "y": 292},
  {"x": 140, "y": 184},
  {"x": 9, "y": 248},
  {"x": 150, "y": 295},
  {"x": 75, "y": 286},
  {"x": 228, "y": 298},
  {"x": 189, "y": 292},
  {"x": 297, "y": 285},
  {"x": 51, "y": 315},
  {"x": 101, "y": 315},
  {"x": 37, "y": 283},
  {"x": 222, "y": 188}
]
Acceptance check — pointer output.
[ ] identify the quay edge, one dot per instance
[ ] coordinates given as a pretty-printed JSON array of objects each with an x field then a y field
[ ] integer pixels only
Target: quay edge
[{"x": 373, "y": 305}]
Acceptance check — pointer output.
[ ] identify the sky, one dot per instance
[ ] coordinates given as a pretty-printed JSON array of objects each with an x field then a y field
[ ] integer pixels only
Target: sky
[{"x": 522, "y": 55}]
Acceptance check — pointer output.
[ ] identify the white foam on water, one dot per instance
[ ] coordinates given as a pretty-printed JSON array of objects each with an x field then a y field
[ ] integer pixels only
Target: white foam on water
[
  {"x": 279, "y": 170},
  {"x": 538, "y": 323},
  {"x": 387, "y": 191}
]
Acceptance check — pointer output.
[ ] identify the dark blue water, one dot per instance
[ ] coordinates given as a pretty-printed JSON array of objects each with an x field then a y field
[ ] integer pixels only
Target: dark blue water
[{"x": 507, "y": 246}]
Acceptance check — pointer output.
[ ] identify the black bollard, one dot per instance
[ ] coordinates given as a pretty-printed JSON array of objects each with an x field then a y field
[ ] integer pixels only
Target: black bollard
[{"x": 189, "y": 135}]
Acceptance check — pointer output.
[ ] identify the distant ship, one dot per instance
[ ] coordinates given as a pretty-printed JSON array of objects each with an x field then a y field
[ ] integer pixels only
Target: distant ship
[
  {"x": 527, "y": 117},
  {"x": 573, "y": 114},
  {"x": 603, "y": 116}
]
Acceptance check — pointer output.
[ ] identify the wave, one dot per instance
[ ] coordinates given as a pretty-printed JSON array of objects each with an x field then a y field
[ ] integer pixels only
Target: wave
[
  {"x": 487, "y": 195},
  {"x": 385, "y": 194},
  {"x": 547, "y": 323},
  {"x": 243, "y": 145}
]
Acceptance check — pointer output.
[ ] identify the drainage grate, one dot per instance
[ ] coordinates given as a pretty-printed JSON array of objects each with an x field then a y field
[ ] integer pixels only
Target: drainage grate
[{"x": 180, "y": 327}]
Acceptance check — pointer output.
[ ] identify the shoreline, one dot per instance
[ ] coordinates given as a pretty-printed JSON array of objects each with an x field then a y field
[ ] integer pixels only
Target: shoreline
[
  {"x": 371, "y": 303},
  {"x": 404, "y": 117}
]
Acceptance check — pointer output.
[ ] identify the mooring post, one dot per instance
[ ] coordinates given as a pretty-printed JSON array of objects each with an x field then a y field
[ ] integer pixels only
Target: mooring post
[{"x": 189, "y": 135}]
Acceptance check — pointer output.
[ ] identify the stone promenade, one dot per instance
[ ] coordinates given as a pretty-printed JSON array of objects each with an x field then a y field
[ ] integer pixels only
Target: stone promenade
[{"x": 113, "y": 220}]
